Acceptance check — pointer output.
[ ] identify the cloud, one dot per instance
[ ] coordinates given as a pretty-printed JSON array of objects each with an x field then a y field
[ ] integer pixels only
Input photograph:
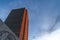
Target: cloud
[
  {"x": 49, "y": 36},
  {"x": 43, "y": 15}
]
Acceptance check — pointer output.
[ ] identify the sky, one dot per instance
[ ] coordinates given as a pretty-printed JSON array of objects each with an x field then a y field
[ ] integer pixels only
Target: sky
[{"x": 44, "y": 17}]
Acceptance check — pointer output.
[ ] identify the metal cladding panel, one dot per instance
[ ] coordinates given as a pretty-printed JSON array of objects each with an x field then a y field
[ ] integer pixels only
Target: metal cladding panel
[{"x": 14, "y": 20}]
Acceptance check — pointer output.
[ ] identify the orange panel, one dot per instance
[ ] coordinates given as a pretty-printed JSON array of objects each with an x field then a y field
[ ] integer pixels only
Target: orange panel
[{"x": 24, "y": 27}]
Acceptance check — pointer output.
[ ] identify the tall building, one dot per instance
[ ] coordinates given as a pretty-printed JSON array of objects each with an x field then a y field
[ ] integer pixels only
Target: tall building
[{"x": 17, "y": 21}]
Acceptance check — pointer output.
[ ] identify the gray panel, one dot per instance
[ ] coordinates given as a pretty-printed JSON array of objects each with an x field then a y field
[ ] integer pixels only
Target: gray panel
[{"x": 6, "y": 33}]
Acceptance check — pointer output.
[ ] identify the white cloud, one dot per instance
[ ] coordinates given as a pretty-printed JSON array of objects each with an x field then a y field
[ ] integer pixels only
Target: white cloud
[{"x": 49, "y": 36}]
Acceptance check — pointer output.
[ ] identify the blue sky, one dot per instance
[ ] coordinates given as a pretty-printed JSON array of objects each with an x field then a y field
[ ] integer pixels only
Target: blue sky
[{"x": 44, "y": 15}]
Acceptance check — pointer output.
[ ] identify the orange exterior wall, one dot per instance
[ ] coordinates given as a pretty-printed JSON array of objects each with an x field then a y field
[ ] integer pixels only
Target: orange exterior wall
[{"x": 24, "y": 27}]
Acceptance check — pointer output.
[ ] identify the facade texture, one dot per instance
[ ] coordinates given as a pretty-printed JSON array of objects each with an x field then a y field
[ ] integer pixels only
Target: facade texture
[{"x": 17, "y": 21}]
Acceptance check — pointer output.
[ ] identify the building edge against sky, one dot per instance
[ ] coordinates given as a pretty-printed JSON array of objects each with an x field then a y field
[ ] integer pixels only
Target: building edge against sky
[{"x": 17, "y": 21}]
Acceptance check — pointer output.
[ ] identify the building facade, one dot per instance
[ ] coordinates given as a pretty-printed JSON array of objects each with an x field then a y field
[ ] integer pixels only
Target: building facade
[{"x": 17, "y": 21}]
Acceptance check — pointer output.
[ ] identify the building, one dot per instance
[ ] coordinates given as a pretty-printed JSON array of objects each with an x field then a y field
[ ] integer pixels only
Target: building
[
  {"x": 17, "y": 21},
  {"x": 6, "y": 33}
]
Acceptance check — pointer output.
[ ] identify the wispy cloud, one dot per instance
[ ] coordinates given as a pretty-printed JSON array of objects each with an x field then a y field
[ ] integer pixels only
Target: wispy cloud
[{"x": 49, "y": 36}]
